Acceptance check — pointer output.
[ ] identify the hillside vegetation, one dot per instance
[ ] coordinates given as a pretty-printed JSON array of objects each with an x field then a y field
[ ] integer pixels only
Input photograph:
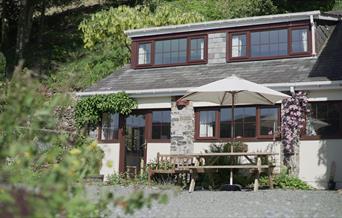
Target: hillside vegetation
[
  {"x": 82, "y": 42},
  {"x": 51, "y": 48}
]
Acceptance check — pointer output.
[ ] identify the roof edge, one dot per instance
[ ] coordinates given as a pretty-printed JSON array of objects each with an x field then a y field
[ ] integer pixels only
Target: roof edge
[
  {"x": 315, "y": 85},
  {"x": 211, "y": 25}
]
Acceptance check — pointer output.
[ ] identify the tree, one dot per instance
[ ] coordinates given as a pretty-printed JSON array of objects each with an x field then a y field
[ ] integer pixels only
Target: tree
[{"x": 41, "y": 171}]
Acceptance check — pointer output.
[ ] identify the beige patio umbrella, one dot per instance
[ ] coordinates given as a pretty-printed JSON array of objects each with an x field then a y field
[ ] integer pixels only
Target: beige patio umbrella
[{"x": 233, "y": 91}]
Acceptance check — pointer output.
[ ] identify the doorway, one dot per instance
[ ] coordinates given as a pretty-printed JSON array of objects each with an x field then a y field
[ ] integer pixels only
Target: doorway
[{"x": 134, "y": 140}]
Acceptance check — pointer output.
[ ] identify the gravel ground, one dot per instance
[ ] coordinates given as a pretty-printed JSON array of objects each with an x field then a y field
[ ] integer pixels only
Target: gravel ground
[{"x": 264, "y": 203}]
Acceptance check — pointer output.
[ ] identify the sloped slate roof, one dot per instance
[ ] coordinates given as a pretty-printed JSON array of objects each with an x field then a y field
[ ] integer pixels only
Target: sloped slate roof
[{"x": 328, "y": 66}]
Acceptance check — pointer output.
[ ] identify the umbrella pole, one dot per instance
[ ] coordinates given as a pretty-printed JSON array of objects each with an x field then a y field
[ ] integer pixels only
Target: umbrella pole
[{"x": 232, "y": 133}]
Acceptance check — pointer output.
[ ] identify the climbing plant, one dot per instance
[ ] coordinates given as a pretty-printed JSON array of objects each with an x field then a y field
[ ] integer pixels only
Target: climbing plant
[
  {"x": 89, "y": 109},
  {"x": 293, "y": 114}
]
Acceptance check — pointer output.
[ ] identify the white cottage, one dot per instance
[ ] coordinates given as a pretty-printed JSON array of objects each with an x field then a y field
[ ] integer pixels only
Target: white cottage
[{"x": 285, "y": 52}]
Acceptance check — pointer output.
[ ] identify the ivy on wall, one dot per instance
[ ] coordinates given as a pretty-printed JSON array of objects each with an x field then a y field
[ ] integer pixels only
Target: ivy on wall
[{"x": 89, "y": 109}]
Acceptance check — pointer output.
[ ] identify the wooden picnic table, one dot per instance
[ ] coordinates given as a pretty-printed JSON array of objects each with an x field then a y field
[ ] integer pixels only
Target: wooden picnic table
[{"x": 198, "y": 164}]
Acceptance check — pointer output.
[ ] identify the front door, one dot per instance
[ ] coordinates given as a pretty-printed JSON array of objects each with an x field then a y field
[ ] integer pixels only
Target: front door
[{"x": 134, "y": 142}]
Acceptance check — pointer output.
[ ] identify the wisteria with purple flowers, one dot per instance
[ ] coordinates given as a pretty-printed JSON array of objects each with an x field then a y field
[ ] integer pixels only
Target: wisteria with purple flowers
[{"x": 293, "y": 112}]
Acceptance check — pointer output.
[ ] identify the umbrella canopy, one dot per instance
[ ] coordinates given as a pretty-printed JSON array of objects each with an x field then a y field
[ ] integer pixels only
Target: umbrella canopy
[
  {"x": 234, "y": 91},
  {"x": 243, "y": 91}
]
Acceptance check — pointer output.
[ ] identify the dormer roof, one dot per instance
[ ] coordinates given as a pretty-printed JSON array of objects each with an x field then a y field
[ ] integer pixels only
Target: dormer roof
[{"x": 229, "y": 23}]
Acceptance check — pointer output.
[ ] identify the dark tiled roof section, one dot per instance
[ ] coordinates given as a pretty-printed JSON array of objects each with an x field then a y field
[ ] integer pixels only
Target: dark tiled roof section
[
  {"x": 275, "y": 71},
  {"x": 328, "y": 66},
  {"x": 329, "y": 63}
]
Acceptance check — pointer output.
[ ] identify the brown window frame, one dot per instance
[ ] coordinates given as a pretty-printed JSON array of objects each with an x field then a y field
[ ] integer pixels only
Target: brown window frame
[
  {"x": 115, "y": 138},
  {"x": 137, "y": 58},
  {"x": 217, "y": 137},
  {"x": 308, "y": 40},
  {"x": 149, "y": 138},
  {"x": 148, "y": 127},
  {"x": 188, "y": 37},
  {"x": 248, "y": 31}
]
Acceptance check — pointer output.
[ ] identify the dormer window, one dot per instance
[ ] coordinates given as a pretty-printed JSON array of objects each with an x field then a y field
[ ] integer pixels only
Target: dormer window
[
  {"x": 170, "y": 51},
  {"x": 299, "y": 40},
  {"x": 269, "y": 43},
  {"x": 144, "y": 55},
  {"x": 163, "y": 51},
  {"x": 197, "y": 49},
  {"x": 261, "y": 43},
  {"x": 239, "y": 45}
]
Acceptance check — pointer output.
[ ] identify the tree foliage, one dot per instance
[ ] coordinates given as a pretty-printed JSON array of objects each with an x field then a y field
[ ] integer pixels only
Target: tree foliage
[
  {"x": 41, "y": 168},
  {"x": 224, "y": 9},
  {"x": 89, "y": 109},
  {"x": 109, "y": 26}
]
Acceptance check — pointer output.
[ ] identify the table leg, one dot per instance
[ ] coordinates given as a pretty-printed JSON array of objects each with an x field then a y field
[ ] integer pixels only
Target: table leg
[
  {"x": 256, "y": 181},
  {"x": 193, "y": 181},
  {"x": 270, "y": 177}
]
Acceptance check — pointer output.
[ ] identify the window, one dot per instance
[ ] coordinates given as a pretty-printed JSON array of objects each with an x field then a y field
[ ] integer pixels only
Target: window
[
  {"x": 269, "y": 43},
  {"x": 161, "y": 124},
  {"x": 269, "y": 121},
  {"x": 299, "y": 40},
  {"x": 275, "y": 42},
  {"x": 197, "y": 49},
  {"x": 144, "y": 56},
  {"x": 166, "y": 52},
  {"x": 324, "y": 119},
  {"x": 239, "y": 45},
  {"x": 109, "y": 126},
  {"x": 245, "y": 122},
  {"x": 250, "y": 122},
  {"x": 207, "y": 123},
  {"x": 170, "y": 51}
]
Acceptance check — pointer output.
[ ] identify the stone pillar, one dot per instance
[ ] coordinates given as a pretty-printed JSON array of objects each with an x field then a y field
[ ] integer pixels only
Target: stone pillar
[
  {"x": 182, "y": 128},
  {"x": 217, "y": 48}
]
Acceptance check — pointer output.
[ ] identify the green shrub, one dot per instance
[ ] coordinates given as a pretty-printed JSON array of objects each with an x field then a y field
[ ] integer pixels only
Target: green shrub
[
  {"x": 285, "y": 181},
  {"x": 124, "y": 179}
]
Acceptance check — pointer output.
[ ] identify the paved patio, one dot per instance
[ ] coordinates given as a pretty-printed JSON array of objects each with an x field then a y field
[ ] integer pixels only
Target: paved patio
[{"x": 264, "y": 203}]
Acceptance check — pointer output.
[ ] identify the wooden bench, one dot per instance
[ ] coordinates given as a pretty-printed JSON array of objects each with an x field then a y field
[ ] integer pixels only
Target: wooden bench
[
  {"x": 195, "y": 164},
  {"x": 178, "y": 164}
]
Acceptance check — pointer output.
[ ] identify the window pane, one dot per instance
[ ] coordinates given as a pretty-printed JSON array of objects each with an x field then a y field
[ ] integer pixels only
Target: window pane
[
  {"x": 245, "y": 121},
  {"x": 161, "y": 124},
  {"x": 225, "y": 122},
  {"x": 197, "y": 49},
  {"x": 239, "y": 44},
  {"x": 299, "y": 40},
  {"x": 269, "y": 43},
  {"x": 144, "y": 56},
  {"x": 207, "y": 123},
  {"x": 268, "y": 120},
  {"x": 170, "y": 51},
  {"x": 109, "y": 126},
  {"x": 325, "y": 119}
]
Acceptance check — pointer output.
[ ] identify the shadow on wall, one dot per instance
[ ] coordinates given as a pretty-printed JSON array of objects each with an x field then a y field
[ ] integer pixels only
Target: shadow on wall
[{"x": 330, "y": 161}]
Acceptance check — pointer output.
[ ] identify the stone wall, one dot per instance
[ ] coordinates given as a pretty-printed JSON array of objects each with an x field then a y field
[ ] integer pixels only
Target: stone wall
[
  {"x": 182, "y": 128},
  {"x": 217, "y": 48}
]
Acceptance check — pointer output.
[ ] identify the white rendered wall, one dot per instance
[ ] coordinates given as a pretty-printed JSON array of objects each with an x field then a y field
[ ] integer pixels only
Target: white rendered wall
[
  {"x": 110, "y": 162},
  {"x": 154, "y": 103},
  {"x": 315, "y": 162},
  {"x": 154, "y": 148}
]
